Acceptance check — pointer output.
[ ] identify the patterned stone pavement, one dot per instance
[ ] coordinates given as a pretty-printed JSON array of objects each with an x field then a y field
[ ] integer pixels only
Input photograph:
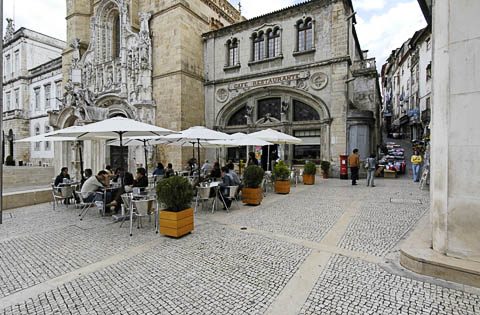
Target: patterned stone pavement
[{"x": 52, "y": 263}]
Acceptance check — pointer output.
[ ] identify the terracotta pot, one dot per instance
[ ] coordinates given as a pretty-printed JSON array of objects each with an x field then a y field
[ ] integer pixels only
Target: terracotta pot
[
  {"x": 308, "y": 179},
  {"x": 325, "y": 175},
  {"x": 282, "y": 186},
  {"x": 176, "y": 224},
  {"x": 252, "y": 196}
]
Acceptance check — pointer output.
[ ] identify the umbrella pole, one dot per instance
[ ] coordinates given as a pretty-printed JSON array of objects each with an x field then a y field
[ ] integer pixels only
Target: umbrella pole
[
  {"x": 145, "y": 151},
  {"x": 81, "y": 161},
  {"x": 121, "y": 161},
  {"x": 198, "y": 162},
  {"x": 268, "y": 157}
]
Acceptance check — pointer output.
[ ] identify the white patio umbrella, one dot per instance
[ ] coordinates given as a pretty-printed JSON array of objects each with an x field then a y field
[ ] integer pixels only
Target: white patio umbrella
[
  {"x": 275, "y": 137},
  {"x": 112, "y": 128},
  {"x": 196, "y": 135},
  {"x": 244, "y": 140},
  {"x": 49, "y": 136}
]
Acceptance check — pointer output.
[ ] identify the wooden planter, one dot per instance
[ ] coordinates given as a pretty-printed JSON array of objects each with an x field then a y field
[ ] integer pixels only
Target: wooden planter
[
  {"x": 176, "y": 224},
  {"x": 325, "y": 175},
  {"x": 282, "y": 186},
  {"x": 308, "y": 179},
  {"x": 252, "y": 196}
]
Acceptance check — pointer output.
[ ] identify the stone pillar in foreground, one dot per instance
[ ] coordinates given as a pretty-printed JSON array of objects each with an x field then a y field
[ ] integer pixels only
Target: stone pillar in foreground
[{"x": 455, "y": 164}]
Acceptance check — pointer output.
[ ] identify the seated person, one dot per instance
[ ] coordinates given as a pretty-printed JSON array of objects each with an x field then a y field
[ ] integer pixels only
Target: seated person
[
  {"x": 233, "y": 174},
  {"x": 127, "y": 177},
  {"x": 224, "y": 190},
  {"x": 169, "y": 172},
  {"x": 88, "y": 173},
  {"x": 63, "y": 174},
  {"x": 159, "y": 170},
  {"x": 216, "y": 172},
  {"x": 93, "y": 184},
  {"x": 206, "y": 168},
  {"x": 109, "y": 171},
  {"x": 141, "y": 180}
]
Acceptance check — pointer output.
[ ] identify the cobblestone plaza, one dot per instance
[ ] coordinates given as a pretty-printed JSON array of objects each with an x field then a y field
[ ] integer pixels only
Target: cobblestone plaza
[{"x": 325, "y": 249}]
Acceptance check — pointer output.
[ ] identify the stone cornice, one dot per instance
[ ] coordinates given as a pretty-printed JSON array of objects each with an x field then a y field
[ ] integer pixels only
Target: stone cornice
[
  {"x": 179, "y": 72},
  {"x": 282, "y": 70}
]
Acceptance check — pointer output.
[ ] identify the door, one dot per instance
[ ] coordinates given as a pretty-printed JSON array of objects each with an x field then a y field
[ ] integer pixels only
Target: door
[
  {"x": 273, "y": 155},
  {"x": 116, "y": 157},
  {"x": 359, "y": 139}
]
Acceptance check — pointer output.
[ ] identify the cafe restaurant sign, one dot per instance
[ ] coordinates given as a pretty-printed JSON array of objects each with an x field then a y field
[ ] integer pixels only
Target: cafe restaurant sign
[{"x": 284, "y": 79}]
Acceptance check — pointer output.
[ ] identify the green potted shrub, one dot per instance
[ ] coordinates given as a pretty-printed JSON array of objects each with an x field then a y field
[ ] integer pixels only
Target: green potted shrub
[
  {"x": 325, "y": 166},
  {"x": 309, "y": 171},
  {"x": 9, "y": 161},
  {"x": 176, "y": 194},
  {"x": 281, "y": 176},
  {"x": 252, "y": 192}
]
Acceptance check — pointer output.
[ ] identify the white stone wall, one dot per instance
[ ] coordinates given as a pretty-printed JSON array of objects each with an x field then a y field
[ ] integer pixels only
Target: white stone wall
[
  {"x": 455, "y": 162},
  {"x": 425, "y": 87}
]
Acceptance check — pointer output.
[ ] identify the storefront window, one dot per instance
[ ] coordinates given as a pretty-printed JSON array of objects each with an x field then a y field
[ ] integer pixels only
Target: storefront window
[
  {"x": 304, "y": 153},
  {"x": 239, "y": 118},
  {"x": 304, "y": 112},
  {"x": 269, "y": 108}
]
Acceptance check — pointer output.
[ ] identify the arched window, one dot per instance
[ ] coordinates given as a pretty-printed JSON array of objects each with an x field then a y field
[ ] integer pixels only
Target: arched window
[
  {"x": 116, "y": 37},
  {"x": 273, "y": 43},
  {"x": 305, "y": 35},
  {"x": 258, "y": 46},
  {"x": 239, "y": 118},
  {"x": 233, "y": 52},
  {"x": 304, "y": 112},
  {"x": 47, "y": 143}
]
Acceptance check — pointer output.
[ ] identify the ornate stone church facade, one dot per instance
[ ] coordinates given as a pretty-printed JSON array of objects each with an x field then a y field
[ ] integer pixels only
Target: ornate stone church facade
[{"x": 140, "y": 59}]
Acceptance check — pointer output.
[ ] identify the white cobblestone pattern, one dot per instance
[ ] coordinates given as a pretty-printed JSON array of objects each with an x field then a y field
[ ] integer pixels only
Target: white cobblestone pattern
[
  {"x": 297, "y": 217},
  {"x": 349, "y": 286},
  {"x": 378, "y": 227},
  {"x": 215, "y": 271}
]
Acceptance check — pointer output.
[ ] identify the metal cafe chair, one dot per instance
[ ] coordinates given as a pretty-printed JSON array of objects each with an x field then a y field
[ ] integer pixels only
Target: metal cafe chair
[
  {"x": 61, "y": 193},
  {"x": 203, "y": 196},
  {"x": 232, "y": 195},
  {"x": 88, "y": 205}
]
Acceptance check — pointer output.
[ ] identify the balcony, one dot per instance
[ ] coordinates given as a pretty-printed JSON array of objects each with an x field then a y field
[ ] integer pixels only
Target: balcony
[
  {"x": 365, "y": 66},
  {"x": 14, "y": 113}
]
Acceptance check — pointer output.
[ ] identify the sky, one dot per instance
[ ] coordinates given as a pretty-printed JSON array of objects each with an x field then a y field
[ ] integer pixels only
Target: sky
[{"x": 382, "y": 25}]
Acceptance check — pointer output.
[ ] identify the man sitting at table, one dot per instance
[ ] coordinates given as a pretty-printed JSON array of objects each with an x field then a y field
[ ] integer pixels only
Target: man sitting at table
[
  {"x": 63, "y": 174},
  {"x": 140, "y": 180},
  {"x": 227, "y": 182},
  {"x": 93, "y": 184}
]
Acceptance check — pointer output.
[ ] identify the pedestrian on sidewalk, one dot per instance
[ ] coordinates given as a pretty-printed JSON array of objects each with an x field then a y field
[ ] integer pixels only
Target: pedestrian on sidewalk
[
  {"x": 371, "y": 166},
  {"x": 354, "y": 164},
  {"x": 416, "y": 164}
]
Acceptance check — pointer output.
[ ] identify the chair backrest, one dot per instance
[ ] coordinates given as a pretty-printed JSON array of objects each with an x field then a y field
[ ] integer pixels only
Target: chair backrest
[
  {"x": 203, "y": 192},
  {"x": 232, "y": 192},
  {"x": 141, "y": 207},
  {"x": 127, "y": 198},
  {"x": 67, "y": 191},
  {"x": 262, "y": 183},
  {"x": 56, "y": 191}
]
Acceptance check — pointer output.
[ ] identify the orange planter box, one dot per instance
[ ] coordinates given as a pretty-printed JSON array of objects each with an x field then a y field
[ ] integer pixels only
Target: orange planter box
[
  {"x": 308, "y": 179},
  {"x": 176, "y": 224},
  {"x": 282, "y": 186},
  {"x": 252, "y": 196}
]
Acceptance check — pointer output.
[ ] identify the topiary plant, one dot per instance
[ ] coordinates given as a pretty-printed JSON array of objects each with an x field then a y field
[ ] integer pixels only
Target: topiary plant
[
  {"x": 253, "y": 176},
  {"x": 325, "y": 166},
  {"x": 310, "y": 168},
  {"x": 175, "y": 193},
  {"x": 281, "y": 172}
]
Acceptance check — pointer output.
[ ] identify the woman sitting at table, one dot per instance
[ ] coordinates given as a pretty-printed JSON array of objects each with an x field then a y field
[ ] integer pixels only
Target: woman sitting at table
[
  {"x": 216, "y": 172},
  {"x": 159, "y": 170},
  {"x": 140, "y": 181}
]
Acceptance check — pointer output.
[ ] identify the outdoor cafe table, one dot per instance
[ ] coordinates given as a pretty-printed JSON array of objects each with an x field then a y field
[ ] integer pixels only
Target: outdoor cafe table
[{"x": 216, "y": 187}]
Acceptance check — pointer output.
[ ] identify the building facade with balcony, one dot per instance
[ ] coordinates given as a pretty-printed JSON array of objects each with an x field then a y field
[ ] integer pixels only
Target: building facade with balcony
[
  {"x": 31, "y": 74},
  {"x": 406, "y": 87},
  {"x": 301, "y": 71}
]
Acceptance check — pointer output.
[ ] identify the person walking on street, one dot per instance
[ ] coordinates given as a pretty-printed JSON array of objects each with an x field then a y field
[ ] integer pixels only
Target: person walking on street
[
  {"x": 354, "y": 164},
  {"x": 371, "y": 165},
  {"x": 416, "y": 163}
]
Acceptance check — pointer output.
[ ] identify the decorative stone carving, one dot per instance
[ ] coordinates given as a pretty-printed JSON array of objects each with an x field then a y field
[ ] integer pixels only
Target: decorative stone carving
[
  {"x": 249, "y": 116},
  {"x": 104, "y": 72},
  {"x": 268, "y": 118},
  {"x": 284, "y": 111},
  {"x": 318, "y": 81},
  {"x": 9, "y": 30},
  {"x": 222, "y": 95}
]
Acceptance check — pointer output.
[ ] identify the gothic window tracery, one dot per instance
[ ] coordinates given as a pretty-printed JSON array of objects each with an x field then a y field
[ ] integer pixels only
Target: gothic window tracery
[
  {"x": 258, "y": 46},
  {"x": 239, "y": 118},
  {"x": 273, "y": 38},
  {"x": 304, "y": 112},
  {"x": 305, "y": 35},
  {"x": 233, "y": 52},
  {"x": 116, "y": 37}
]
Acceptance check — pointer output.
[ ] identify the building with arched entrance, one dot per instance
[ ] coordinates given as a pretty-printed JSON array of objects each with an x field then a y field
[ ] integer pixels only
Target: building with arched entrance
[
  {"x": 137, "y": 59},
  {"x": 301, "y": 71}
]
